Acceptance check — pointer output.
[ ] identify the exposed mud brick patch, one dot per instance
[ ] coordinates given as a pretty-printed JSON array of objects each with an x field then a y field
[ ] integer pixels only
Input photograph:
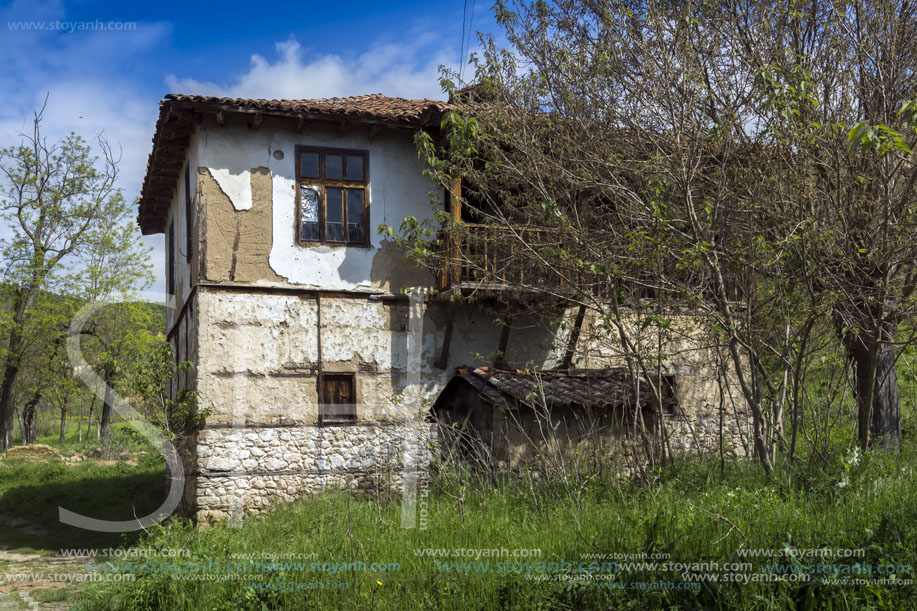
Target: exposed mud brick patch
[
  {"x": 237, "y": 242},
  {"x": 392, "y": 273}
]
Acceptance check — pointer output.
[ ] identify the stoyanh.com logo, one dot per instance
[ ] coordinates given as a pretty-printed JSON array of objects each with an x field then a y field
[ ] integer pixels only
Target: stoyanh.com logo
[{"x": 69, "y": 27}]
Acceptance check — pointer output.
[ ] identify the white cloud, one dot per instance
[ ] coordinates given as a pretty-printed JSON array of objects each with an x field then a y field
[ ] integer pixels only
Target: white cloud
[
  {"x": 409, "y": 70},
  {"x": 92, "y": 85},
  {"x": 87, "y": 78}
]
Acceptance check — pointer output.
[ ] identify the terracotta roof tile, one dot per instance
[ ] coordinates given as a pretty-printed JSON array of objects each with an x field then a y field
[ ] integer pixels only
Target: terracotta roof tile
[
  {"x": 372, "y": 106},
  {"x": 594, "y": 388}
]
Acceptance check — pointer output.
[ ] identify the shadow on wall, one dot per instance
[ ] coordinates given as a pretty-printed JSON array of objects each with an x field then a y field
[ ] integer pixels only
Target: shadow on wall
[
  {"x": 531, "y": 341},
  {"x": 432, "y": 377}
]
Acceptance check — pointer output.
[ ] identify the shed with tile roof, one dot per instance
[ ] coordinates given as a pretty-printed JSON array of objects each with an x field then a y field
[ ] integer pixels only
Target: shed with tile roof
[{"x": 520, "y": 418}]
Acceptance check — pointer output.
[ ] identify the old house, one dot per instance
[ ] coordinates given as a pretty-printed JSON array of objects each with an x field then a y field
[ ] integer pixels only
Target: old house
[{"x": 290, "y": 303}]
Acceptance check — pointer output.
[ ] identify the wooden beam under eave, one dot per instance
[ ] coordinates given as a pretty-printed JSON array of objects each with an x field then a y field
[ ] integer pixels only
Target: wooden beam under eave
[
  {"x": 374, "y": 130},
  {"x": 172, "y": 150},
  {"x": 343, "y": 128},
  {"x": 221, "y": 118},
  {"x": 158, "y": 204},
  {"x": 255, "y": 121},
  {"x": 300, "y": 123},
  {"x": 162, "y": 192},
  {"x": 186, "y": 115}
]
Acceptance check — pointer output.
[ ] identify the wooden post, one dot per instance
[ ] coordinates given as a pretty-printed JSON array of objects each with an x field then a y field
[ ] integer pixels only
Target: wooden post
[
  {"x": 443, "y": 361},
  {"x": 455, "y": 201},
  {"x": 500, "y": 361},
  {"x": 574, "y": 338}
]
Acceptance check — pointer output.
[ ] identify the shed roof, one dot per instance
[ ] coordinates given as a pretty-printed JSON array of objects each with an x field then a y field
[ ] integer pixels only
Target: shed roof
[{"x": 584, "y": 387}]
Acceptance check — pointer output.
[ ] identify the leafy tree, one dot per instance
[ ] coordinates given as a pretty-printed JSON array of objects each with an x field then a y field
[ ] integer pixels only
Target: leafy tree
[
  {"x": 699, "y": 155},
  {"x": 117, "y": 341},
  {"x": 149, "y": 388},
  {"x": 838, "y": 115},
  {"x": 63, "y": 208}
]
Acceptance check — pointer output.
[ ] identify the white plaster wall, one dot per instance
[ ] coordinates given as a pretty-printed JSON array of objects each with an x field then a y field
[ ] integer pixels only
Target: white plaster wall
[
  {"x": 257, "y": 352},
  {"x": 397, "y": 189}
]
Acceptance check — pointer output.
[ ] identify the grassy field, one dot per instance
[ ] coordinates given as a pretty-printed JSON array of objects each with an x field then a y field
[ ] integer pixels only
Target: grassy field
[
  {"x": 835, "y": 536},
  {"x": 101, "y": 487},
  {"x": 344, "y": 551},
  {"x": 115, "y": 480}
]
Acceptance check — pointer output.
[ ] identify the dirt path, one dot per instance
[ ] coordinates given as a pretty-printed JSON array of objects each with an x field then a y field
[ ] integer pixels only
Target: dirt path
[{"x": 32, "y": 577}]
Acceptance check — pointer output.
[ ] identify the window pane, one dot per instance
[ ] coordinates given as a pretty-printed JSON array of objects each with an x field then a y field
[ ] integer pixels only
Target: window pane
[
  {"x": 354, "y": 167},
  {"x": 309, "y": 203},
  {"x": 308, "y": 165},
  {"x": 333, "y": 167},
  {"x": 309, "y": 213},
  {"x": 334, "y": 215},
  {"x": 338, "y": 398},
  {"x": 309, "y": 232},
  {"x": 355, "y": 230}
]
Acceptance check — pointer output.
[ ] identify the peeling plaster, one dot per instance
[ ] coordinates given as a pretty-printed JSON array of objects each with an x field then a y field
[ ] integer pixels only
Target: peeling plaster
[
  {"x": 397, "y": 190},
  {"x": 237, "y": 187}
]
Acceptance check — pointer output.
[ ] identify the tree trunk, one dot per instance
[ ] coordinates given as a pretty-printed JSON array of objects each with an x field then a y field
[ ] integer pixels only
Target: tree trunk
[
  {"x": 105, "y": 424},
  {"x": 92, "y": 406},
  {"x": 63, "y": 424},
  {"x": 883, "y": 416},
  {"x": 7, "y": 406},
  {"x": 23, "y": 302},
  {"x": 29, "y": 420}
]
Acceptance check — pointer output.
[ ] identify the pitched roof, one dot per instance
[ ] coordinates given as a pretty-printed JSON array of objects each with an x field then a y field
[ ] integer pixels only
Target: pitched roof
[
  {"x": 373, "y": 107},
  {"x": 593, "y": 387},
  {"x": 180, "y": 115}
]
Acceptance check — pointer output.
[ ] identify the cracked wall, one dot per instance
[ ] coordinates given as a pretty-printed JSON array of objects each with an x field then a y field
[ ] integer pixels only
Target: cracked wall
[
  {"x": 252, "y": 172},
  {"x": 237, "y": 242}
]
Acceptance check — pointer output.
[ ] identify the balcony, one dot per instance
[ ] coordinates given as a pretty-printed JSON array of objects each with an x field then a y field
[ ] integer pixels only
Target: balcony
[
  {"x": 490, "y": 256},
  {"x": 498, "y": 258}
]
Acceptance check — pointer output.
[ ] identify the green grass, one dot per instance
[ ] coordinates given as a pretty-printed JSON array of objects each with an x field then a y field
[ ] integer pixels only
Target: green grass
[
  {"x": 692, "y": 512},
  {"x": 35, "y": 489},
  {"x": 123, "y": 437}
]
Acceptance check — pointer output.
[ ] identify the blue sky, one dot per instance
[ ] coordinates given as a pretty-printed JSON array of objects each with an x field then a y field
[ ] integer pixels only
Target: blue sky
[{"x": 110, "y": 80}]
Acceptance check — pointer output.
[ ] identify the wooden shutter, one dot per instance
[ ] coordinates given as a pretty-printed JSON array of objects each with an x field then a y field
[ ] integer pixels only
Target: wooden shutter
[{"x": 338, "y": 400}]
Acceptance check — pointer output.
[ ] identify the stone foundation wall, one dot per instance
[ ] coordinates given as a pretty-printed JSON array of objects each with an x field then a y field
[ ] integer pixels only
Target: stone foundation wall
[
  {"x": 253, "y": 468},
  {"x": 700, "y": 431}
]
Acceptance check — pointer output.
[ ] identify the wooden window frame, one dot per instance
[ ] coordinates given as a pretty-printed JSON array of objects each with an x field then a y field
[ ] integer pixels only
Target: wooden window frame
[
  {"x": 322, "y": 183},
  {"x": 189, "y": 244},
  {"x": 170, "y": 255},
  {"x": 337, "y": 419}
]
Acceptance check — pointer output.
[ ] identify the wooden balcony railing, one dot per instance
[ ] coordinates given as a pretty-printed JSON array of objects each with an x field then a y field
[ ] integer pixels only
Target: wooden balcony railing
[
  {"x": 496, "y": 255},
  {"x": 492, "y": 256}
]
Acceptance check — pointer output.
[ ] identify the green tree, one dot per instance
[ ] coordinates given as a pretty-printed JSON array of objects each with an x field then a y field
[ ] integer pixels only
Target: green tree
[
  {"x": 68, "y": 218},
  {"x": 118, "y": 339},
  {"x": 837, "y": 84},
  {"x": 701, "y": 155}
]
